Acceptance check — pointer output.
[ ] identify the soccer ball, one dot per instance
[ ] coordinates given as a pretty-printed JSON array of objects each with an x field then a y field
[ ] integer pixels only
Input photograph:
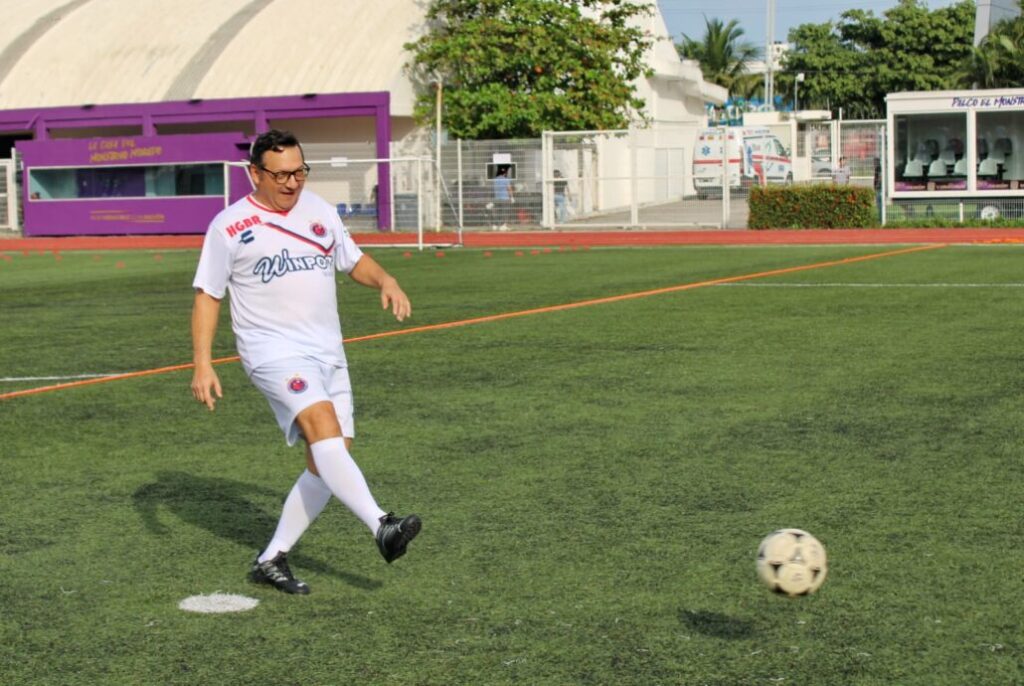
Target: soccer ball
[{"x": 791, "y": 562}]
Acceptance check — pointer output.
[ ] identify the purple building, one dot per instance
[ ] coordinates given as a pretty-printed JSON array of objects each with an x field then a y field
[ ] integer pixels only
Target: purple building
[{"x": 130, "y": 169}]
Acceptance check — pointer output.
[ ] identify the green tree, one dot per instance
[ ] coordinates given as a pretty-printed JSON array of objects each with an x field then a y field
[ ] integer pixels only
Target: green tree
[
  {"x": 723, "y": 56},
  {"x": 834, "y": 71},
  {"x": 998, "y": 62},
  {"x": 515, "y": 68},
  {"x": 855, "y": 62}
]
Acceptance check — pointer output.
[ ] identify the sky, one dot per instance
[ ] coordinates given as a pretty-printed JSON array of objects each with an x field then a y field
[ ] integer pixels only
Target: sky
[{"x": 687, "y": 16}]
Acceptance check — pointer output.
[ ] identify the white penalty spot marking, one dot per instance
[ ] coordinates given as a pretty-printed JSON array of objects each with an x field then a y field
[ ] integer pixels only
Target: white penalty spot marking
[{"x": 217, "y": 603}]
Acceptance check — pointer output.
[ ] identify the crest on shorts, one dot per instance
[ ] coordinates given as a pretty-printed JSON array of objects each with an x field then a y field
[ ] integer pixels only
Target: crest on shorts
[
  {"x": 297, "y": 384},
  {"x": 318, "y": 229}
]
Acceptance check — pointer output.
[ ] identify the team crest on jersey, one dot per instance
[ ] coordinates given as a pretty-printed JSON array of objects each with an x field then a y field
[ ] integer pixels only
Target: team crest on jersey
[
  {"x": 318, "y": 229},
  {"x": 297, "y": 384}
]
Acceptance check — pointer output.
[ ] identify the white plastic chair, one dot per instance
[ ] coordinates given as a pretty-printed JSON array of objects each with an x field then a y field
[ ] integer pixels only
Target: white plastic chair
[
  {"x": 960, "y": 168},
  {"x": 937, "y": 168},
  {"x": 988, "y": 167},
  {"x": 997, "y": 156},
  {"x": 914, "y": 168}
]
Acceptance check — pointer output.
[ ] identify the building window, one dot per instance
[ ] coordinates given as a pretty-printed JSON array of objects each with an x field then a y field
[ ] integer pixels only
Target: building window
[
  {"x": 157, "y": 181},
  {"x": 1000, "y": 166},
  {"x": 930, "y": 152}
]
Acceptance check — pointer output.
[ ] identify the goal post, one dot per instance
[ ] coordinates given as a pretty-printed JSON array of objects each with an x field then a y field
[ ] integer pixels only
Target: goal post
[{"x": 350, "y": 185}]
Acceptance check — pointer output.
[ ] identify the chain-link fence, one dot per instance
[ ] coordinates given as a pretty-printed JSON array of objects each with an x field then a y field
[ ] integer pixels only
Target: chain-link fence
[
  {"x": 814, "y": 160},
  {"x": 862, "y": 147},
  {"x": 347, "y": 177},
  {"x": 639, "y": 178},
  {"x": 952, "y": 209},
  {"x": 491, "y": 184},
  {"x": 848, "y": 150}
]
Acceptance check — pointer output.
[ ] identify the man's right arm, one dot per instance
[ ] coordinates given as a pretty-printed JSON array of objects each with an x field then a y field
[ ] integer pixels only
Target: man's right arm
[{"x": 205, "y": 384}]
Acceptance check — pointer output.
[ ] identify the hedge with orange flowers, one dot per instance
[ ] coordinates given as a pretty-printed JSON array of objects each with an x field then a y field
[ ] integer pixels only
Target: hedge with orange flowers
[{"x": 812, "y": 206}]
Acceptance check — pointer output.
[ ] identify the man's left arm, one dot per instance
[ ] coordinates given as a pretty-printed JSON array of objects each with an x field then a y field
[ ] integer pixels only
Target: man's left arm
[{"x": 369, "y": 273}]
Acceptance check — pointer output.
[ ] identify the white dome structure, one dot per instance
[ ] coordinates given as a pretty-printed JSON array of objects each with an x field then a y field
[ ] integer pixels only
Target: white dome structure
[{"x": 75, "y": 52}]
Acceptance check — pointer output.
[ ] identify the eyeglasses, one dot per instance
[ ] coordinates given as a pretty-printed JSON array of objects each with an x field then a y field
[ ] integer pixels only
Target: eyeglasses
[{"x": 282, "y": 177}]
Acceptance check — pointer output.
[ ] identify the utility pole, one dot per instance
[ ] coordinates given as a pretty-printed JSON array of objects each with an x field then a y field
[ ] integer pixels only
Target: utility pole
[
  {"x": 769, "y": 58},
  {"x": 437, "y": 154}
]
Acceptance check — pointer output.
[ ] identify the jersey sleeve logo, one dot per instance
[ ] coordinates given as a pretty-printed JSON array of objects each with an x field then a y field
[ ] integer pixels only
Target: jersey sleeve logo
[
  {"x": 241, "y": 225},
  {"x": 297, "y": 384}
]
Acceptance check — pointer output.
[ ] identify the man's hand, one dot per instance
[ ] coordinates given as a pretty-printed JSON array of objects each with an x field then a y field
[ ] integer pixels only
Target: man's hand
[
  {"x": 391, "y": 295},
  {"x": 206, "y": 385},
  {"x": 368, "y": 273}
]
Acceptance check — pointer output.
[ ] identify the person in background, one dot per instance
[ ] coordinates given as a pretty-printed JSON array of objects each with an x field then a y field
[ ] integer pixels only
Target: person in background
[
  {"x": 841, "y": 174},
  {"x": 503, "y": 198},
  {"x": 561, "y": 191}
]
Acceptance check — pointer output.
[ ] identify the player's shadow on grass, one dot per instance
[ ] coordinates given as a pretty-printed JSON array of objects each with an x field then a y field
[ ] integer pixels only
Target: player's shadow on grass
[
  {"x": 226, "y": 509},
  {"x": 716, "y": 624}
]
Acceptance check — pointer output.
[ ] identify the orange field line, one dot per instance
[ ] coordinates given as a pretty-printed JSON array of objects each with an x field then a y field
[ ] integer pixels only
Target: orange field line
[{"x": 499, "y": 317}]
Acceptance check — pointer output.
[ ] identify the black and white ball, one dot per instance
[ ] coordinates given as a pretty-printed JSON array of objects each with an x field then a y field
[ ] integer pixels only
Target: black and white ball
[{"x": 792, "y": 562}]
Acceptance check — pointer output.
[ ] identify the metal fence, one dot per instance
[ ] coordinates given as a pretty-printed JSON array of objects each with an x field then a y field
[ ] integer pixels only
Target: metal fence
[
  {"x": 490, "y": 184},
  {"x": 821, "y": 145},
  {"x": 9, "y": 215},
  {"x": 347, "y": 177},
  {"x": 636, "y": 178},
  {"x": 862, "y": 145}
]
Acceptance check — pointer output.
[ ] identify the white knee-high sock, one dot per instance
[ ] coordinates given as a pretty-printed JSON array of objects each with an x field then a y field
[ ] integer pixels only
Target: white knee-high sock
[
  {"x": 307, "y": 499},
  {"x": 342, "y": 475}
]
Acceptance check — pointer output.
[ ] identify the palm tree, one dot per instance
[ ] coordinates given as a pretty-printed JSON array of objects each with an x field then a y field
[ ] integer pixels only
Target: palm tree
[{"x": 722, "y": 56}]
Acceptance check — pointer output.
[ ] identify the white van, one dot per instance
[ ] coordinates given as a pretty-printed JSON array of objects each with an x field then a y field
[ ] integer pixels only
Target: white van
[{"x": 756, "y": 156}]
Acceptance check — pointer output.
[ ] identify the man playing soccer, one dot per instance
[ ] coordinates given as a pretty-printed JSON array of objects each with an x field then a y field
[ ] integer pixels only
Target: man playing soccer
[{"x": 276, "y": 250}]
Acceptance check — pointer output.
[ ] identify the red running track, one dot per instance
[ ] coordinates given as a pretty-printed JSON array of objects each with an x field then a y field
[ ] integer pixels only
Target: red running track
[{"x": 565, "y": 238}]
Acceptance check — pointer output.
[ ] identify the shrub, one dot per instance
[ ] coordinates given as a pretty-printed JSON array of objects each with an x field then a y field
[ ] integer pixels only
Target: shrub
[{"x": 812, "y": 206}]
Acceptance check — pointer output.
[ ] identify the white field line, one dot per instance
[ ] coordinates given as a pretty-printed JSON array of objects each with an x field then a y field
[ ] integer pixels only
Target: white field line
[
  {"x": 869, "y": 285},
  {"x": 13, "y": 379}
]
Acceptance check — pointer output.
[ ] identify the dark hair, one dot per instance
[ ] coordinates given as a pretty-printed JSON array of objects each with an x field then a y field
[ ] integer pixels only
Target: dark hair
[{"x": 272, "y": 140}]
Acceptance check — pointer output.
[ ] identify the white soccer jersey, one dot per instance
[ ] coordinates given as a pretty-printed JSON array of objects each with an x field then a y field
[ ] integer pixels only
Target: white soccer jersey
[{"x": 279, "y": 268}]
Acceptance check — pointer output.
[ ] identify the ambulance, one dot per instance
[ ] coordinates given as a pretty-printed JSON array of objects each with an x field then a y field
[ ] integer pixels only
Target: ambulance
[{"x": 756, "y": 156}]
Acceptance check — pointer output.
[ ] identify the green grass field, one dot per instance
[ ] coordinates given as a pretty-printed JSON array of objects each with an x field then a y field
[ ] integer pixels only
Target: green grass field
[{"x": 593, "y": 482}]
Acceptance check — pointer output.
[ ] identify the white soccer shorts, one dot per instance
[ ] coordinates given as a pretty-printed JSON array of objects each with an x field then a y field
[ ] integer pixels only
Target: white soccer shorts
[{"x": 293, "y": 384}]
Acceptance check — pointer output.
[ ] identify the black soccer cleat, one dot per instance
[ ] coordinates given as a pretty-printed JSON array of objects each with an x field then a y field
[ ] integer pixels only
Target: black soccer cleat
[
  {"x": 276, "y": 573},
  {"x": 395, "y": 533}
]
